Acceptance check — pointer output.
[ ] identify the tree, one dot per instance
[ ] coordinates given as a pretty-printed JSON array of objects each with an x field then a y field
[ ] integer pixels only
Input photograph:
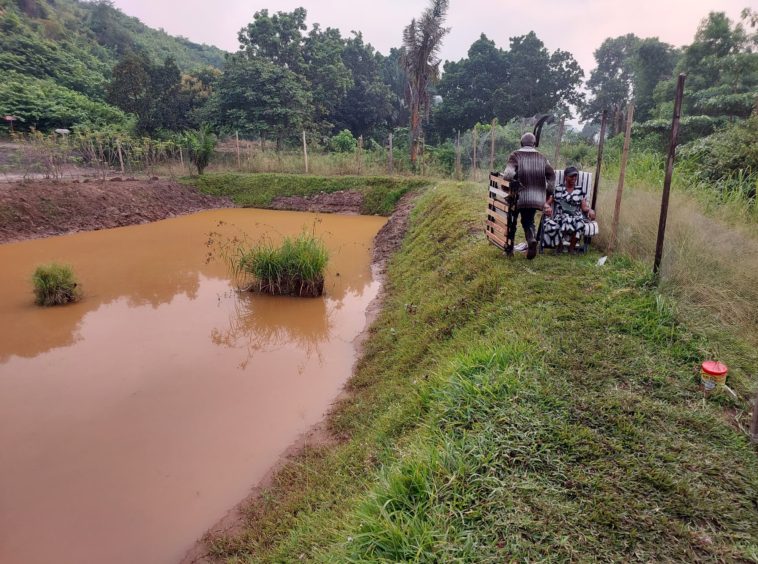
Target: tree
[
  {"x": 722, "y": 70},
  {"x": 259, "y": 97},
  {"x": 472, "y": 88},
  {"x": 653, "y": 62},
  {"x": 422, "y": 40},
  {"x": 367, "y": 105},
  {"x": 314, "y": 59},
  {"x": 129, "y": 88},
  {"x": 495, "y": 83},
  {"x": 610, "y": 84},
  {"x": 395, "y": 77},
  {"x": 276, "y": 38},
  {"x": 540, "y": 81},
  {"x": 151, "y": 92},
  {"x": 326, "y": 72}
]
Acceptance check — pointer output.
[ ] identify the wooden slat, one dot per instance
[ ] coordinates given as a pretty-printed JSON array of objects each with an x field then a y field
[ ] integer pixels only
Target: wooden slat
[
  {"x": 499, "y": 181},
  {"x": 497, "y": 228},
  {"x": 499, "y": 213},
  {"x": 498, "y": 205},
  {"x": 499, "y": 219},
  {"x": 497, "y": 193},
  {"x": 496, "y": 240}
]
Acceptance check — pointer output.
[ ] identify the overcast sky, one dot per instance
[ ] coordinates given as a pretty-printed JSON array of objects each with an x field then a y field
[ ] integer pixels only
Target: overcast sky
[{"x": 577, "y": 26}]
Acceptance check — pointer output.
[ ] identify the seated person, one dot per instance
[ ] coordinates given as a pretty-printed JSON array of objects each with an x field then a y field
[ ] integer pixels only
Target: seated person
[{"x": 571, "y": 213}]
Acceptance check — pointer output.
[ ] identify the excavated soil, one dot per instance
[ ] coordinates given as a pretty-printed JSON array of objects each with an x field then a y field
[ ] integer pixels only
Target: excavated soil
[
  {"x": 345, "y": 202},
  {"x": 30, "y": 210}
]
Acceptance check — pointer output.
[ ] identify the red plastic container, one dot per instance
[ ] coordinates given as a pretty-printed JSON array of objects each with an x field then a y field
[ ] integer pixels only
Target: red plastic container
[{"x": 713, "y": 375}]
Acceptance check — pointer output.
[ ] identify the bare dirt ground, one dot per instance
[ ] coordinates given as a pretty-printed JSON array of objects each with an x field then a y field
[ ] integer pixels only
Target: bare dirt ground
[
  {"x": 35, "y": 209},
  {"x": 345, "y": 202}
]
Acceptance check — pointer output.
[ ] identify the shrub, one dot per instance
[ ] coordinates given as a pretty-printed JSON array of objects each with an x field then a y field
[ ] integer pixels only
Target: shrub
[
  {"x": 201, "y": 145},
  {"x": 55, "y": 284},
  {"x": 343, "y": 142},
  {"x": 295, "y": 268}
]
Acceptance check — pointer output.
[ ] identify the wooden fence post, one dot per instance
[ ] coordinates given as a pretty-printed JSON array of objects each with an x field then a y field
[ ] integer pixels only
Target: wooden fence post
[
  {"x": 474, "y": 142},
  {"x": 492, "y": 145},
  {"x": 360, "y": 154},
  {"x": 669, "y": 172},
  {"x": 458, "y": 169},
  {"x": 603, "y": 124},
  {"x": 622, "y": 174},
  {"x": 239, "y": 161},
  {"x": 120, "y": 156},
  {"x": 305, "y": 152},
  {"x": 558, "y": 142},
  {"x": 390, "y": 158}
]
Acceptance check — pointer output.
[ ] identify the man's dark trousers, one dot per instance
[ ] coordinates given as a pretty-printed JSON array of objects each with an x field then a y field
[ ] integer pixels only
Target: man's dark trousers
[{"x": 527, "y": 222}]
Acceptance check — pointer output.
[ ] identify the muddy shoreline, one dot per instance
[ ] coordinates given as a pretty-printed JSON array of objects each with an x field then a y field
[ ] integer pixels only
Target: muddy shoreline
[{"x": 37, "y": 209}]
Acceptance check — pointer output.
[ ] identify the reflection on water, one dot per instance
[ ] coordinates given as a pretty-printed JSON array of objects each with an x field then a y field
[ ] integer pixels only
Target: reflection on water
[
  {"x": 259, "y": 323},
  {"x": 130, "y": 421}
]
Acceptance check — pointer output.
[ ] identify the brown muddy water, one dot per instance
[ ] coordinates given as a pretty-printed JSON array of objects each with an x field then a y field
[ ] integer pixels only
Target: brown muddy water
[{"x": 132, "y": 421}]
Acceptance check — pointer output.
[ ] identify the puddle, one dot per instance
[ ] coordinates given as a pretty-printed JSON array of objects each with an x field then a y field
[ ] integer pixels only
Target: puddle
[{"x": 132, "y": 421}]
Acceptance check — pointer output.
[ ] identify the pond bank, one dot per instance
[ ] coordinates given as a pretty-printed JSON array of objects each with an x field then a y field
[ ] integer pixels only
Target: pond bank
[
  {"x": 514, "y": 410},
  {"x": 42, "y": 208}
]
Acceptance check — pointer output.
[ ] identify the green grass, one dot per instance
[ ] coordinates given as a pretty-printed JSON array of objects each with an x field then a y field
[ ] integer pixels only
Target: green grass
[
  {"x": 381, "y": 194},
  {"x": 296, "y": 267},
  {"x": 55, "y": 284},
  {"x": 519, "y": 411}
]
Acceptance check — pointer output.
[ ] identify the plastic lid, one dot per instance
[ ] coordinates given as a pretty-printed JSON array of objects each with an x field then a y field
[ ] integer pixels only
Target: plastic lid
[{"x": 714, "y": 368}]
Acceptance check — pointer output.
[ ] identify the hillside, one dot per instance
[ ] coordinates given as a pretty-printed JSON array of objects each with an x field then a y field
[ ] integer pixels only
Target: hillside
[{"x": 57, "y": 56}]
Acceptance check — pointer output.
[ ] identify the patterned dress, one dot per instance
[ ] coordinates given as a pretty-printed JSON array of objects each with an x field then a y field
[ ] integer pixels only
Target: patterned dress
[{"x": 568, "y": 217}]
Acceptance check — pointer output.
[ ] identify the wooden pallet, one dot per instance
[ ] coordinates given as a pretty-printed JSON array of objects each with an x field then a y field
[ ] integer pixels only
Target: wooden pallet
[{"x": 498, "y": 205}]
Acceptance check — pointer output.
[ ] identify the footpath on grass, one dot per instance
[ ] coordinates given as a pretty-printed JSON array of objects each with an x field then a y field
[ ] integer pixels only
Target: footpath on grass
[{"x": 507, "y": 409}]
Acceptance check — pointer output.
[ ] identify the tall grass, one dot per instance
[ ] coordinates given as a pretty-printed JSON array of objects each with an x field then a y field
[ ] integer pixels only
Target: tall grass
[
  {"x": 55, "y": 284},
  {"x": 710, "y": 260},
  {"x": 294, "y": 268}
]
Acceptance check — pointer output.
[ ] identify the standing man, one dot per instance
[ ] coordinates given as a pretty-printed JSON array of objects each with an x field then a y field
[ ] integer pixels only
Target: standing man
[{"x": 536, "y": 180}]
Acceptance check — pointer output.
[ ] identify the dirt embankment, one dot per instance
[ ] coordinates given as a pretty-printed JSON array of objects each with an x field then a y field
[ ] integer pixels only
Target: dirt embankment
[
  {"x": 344, "y": 202},
  {"x": 37, "y": 209}
]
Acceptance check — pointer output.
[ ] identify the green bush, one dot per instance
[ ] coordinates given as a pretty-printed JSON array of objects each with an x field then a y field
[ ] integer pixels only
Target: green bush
[
  {"x": 295, "y": 268},
  {"x": 343, "y": 142},
  {"x": 46, "y": 105},
  {"x": 55, "y": 284},
  {"x": 729, "y": 153},
  {"x": 201, "y": 145}
]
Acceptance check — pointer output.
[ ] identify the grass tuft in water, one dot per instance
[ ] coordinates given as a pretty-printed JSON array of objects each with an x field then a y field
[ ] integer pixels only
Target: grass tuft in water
[
  {"x": 55, "y": 284},
  {"x": 295, "y": 268}
]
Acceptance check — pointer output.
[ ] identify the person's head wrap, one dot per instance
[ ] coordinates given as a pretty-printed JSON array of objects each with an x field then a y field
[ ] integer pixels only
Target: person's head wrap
[{"x": 570, "y": 171}]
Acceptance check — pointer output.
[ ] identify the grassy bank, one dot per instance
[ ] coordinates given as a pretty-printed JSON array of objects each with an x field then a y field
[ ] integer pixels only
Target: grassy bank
[
  {"x": 710, "y": 259},
  {"x": 381, "y": 194},
  {"x": 507, "y": 410}
]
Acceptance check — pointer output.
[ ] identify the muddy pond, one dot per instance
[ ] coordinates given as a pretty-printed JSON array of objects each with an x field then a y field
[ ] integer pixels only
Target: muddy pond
[{"x": 132, "y": 421}]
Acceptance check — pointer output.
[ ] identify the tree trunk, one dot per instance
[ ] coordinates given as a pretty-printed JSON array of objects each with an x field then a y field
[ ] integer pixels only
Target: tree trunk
[{"x": 415, "y": 133}]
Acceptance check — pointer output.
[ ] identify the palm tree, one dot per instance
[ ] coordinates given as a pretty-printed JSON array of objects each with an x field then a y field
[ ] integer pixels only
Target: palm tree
[{"x": 422, "y": 40}]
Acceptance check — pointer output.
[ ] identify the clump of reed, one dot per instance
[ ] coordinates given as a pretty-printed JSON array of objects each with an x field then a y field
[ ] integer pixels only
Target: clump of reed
[
  {"x": 294, "y": 268},
  {"x": 55, "y": 284}
]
